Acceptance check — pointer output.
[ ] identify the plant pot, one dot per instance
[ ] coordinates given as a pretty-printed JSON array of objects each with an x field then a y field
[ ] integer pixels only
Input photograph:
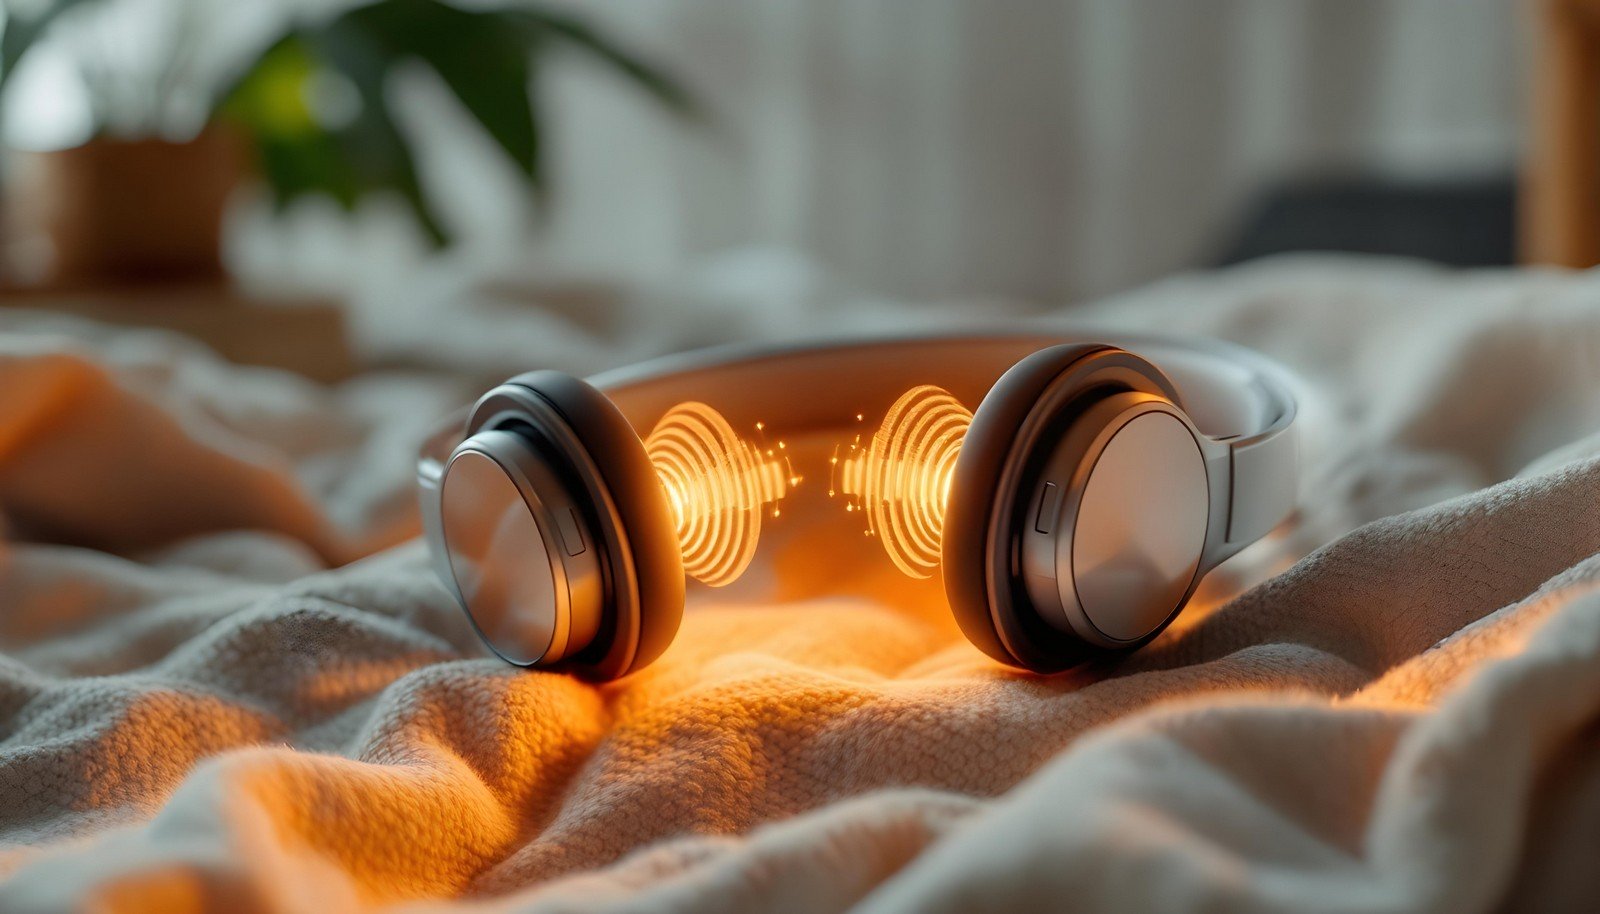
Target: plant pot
[{"x": 115, "y": 212}]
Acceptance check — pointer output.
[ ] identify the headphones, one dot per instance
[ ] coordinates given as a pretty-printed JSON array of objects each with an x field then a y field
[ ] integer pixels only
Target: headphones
[{"x": 1070, "y": 514}]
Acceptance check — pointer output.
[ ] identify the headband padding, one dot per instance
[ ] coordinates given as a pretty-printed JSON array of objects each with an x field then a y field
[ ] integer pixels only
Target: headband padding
[
  {"x": 648, "y": 550},
  {"x": 1045, "y": 387}
]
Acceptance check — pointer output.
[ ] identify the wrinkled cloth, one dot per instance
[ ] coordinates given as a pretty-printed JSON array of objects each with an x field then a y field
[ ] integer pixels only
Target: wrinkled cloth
[{"x": 229, "y": 680}]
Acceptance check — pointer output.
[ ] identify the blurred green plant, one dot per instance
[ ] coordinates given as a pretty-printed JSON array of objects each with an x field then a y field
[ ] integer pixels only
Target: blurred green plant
[{"x": 316, "y": 105}]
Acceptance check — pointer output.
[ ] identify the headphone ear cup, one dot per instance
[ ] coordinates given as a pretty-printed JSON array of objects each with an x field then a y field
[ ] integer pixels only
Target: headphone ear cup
[
  {"x": 1023, "y": 413},
  {"x": 643, "y": 565}
]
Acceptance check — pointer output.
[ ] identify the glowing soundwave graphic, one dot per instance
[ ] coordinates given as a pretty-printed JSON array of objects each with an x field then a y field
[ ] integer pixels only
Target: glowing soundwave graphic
[
  {"x": 901, "y": 478},
  {"x": 718, "y": 484}
]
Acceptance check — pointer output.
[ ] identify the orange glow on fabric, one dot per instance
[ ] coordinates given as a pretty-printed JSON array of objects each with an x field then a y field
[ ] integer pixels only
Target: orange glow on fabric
[
  {"x": 718, "y": 484},
  {"x": 901, "y": 478}
]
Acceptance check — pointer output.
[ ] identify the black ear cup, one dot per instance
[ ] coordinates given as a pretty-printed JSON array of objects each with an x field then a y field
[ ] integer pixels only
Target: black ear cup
[
  {"x": 1057, "y": 404},
  {"x": 609, "y": 501}
]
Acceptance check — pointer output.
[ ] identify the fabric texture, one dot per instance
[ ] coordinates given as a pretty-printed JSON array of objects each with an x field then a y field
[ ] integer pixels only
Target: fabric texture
[{"x": 230, "y": 682}]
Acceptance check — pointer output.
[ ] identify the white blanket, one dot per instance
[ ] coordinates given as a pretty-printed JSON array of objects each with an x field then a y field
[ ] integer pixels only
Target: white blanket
[{"x": 197, "y": 714}]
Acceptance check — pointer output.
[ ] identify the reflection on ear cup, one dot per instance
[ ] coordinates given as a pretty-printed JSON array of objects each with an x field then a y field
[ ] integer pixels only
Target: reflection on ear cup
[
  {"x": 901, "y": 478},
  {"x": 717, "y": 484}
]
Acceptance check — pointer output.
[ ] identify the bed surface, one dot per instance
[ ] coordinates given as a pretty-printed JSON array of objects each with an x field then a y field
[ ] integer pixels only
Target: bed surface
[{"x": 229, "y": 681}]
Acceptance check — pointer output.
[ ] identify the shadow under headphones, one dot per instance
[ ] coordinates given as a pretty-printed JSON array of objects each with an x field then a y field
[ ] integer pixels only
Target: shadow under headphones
[{"x": 1071, "y": 514}]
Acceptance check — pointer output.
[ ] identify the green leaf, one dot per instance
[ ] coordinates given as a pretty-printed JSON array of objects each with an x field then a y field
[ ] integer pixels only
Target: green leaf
[
  {"x": 489, "y": 60},
  {"x": 484, "y": 63},
  {"x": 377, "y": 150},
  {"x": 272, "y": 97},
  {"x": 296, "y": 154},
  {"x": 557, "y": 28},
  {"x": 300, "y": 156}
]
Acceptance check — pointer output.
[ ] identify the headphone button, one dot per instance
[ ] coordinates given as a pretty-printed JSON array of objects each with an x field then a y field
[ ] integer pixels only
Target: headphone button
[
  {"x": 571, "y": 531},
  {"x": 1049, "y": 508}
]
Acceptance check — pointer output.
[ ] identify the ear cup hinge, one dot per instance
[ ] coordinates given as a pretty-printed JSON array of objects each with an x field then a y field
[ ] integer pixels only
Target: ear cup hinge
[{"x": 1264, "y": 472}]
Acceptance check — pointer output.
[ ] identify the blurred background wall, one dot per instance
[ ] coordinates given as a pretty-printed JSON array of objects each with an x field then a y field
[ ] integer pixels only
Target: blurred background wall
[
  {"x": 1040, "y": 150},
  {"x": 919, "y": 148}
]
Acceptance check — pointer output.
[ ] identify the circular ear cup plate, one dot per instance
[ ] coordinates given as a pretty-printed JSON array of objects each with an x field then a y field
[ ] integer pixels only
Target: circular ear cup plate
[
  {"x": 525, "y": 568},
  {"x": 623, "y": 504},
  {"x": 1015, "y": 428},
  {"x": 1113, "y": 548}
]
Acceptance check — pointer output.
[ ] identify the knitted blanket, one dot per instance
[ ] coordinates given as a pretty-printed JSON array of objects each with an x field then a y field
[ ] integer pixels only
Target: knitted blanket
[{"x": 230, "y": 682}]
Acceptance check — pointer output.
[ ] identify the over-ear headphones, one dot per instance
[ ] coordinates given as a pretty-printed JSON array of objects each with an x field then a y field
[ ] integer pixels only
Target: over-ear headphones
[{"x": 1071, "y": 514}]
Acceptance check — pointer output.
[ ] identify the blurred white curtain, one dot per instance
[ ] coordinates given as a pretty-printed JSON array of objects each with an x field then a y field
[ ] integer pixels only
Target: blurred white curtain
[{"x": 1047, "y": 150}]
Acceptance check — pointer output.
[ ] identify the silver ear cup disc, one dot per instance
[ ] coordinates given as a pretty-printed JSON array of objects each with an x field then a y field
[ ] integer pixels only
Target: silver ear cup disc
[
  {"x": 522, "y": 558},
  {"x": 1113, "y": 548},
  {"x": 1140, "y": 528}
]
